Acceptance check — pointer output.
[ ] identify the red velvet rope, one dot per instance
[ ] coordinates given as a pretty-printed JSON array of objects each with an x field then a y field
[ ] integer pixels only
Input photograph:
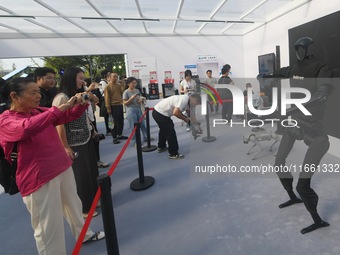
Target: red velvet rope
[{"x": 81, "y": 237}]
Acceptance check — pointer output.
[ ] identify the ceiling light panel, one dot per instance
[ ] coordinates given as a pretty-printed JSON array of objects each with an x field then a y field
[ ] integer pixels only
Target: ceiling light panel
[
  {"x": 131, "y": 26},
  {"x": 286, "y": 7},
  {"x": 198, "y": 9},
  {"x": 163, "y": 9},
  {"x": 59, "y": 25},
  {"x": 187, "y": 27},
  {"x": 96, "y": 26},
  {"x": 72, "y": 8},
  {"x": 267, "y": 9},
  {"x": 233, "y": 9},
  {"x": 239, "y": 28},
  {"x": 212, "y": 28},
  {"x": 117, "y": 9},
  {"x": 22, "y": 25},
  {"x": 163, "y": 27},
  {"x": 25, "y": 7}
]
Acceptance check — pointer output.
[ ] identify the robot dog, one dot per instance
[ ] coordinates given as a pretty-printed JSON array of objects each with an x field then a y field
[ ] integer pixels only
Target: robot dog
[
  {"x": 196, "y": 129},
  {"x": 256, "y": 136}
]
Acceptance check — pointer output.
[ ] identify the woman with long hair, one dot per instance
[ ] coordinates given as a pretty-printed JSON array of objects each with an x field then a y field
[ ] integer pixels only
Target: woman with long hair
[{"x": 77, "y": 139}]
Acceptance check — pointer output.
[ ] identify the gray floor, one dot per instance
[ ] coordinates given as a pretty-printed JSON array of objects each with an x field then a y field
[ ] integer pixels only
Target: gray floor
[{"x": 188, "y": 213}]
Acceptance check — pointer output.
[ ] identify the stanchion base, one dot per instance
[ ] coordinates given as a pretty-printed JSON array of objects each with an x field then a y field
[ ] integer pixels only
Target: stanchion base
[
  {"x": 136, "y": 185},
  {"x": 148, "y": 149},
  {"x": 209, "y": 139}
]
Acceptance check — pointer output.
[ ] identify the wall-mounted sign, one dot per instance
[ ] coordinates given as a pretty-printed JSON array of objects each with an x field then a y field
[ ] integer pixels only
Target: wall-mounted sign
[{"x": 207, "y": 59}]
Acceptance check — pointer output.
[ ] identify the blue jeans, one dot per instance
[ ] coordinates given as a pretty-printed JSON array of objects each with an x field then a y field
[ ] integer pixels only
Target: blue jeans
[{"x": 133, "y": 114}]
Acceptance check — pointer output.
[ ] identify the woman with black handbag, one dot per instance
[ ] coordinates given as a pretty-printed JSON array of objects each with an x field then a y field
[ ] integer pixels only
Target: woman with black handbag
[{"x": 44, "y": 171}]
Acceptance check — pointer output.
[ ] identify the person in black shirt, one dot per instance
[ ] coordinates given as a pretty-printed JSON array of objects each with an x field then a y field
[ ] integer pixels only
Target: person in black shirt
[
  {"x": 4, "y": 102},
  {"x": 225, "y": 94},
  {"x": 45, "y": 78},
  {"x": 314, "y": 75}
]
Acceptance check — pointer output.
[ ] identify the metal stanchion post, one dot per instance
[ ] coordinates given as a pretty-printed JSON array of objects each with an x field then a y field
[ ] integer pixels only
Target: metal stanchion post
[
  {"x": 149, "y": 147},
  {"x": 143, "y": 182},
  {"x": 108, "y": 215},
  {"x": 208, "y": 138}
]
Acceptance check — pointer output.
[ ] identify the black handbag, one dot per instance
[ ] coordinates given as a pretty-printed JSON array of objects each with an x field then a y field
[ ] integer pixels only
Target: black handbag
[{"x": 8, "y": 172}]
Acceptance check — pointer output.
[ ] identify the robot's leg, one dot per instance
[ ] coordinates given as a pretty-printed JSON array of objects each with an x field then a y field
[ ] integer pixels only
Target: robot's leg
[
  {"x": 286, "y": 178},
  {"x": 317, "y": 149},
  {"x": 285, "y": 147}
]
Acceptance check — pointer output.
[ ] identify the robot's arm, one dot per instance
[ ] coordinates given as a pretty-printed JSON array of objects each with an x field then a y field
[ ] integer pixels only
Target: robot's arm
[
  {"x": 325, "y": 82},
  {"x": 319, "y": 98}
]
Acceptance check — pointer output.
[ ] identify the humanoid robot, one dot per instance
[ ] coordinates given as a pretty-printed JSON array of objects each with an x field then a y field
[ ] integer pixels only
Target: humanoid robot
[{"x": 315, "y": 76}]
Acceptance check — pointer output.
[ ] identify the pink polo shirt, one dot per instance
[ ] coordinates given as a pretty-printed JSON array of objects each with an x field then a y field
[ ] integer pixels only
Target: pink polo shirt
[{"x": 41, "y": 155}]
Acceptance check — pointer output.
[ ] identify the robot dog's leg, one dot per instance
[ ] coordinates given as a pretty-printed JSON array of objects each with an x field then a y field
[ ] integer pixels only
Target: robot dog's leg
[
  {"x": 248, "y": 153},
  {"x": 259, "y": 150}
]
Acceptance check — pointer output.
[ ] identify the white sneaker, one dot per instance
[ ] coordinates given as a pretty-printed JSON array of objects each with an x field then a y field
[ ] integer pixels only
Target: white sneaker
[
  {"x": 176, "y": 156},
  {"x": 96, "y": 237},
  {"x": 188, "y": 129}
]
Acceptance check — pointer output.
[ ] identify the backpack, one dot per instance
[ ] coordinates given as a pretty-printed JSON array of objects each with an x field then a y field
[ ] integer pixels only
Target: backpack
[{"x": 8, "y": 171}]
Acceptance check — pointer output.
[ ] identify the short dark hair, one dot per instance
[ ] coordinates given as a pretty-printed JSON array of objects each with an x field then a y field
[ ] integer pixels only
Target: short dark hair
[
  {"x": 104, "y": 73},
  {"x": 225, "y": 69},
  {"x": 130, "y": 79},
  {"x": 18, "y": 85},
  {"x": 42, "y": 71},
  {"x": 208, "y": 71}
]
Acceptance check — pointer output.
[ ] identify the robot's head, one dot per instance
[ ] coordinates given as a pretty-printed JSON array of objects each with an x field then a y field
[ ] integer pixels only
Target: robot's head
[{"x": 301, "y": 47}]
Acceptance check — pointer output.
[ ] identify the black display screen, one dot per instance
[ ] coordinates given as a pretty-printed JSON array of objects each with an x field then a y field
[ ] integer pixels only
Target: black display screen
[{"x": 325, "y": 33}]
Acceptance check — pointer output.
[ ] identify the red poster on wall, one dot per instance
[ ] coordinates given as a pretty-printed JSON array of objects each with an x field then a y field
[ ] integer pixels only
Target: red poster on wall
[
  {"x": 153, "y": 77},
  {"x": 135, "y": 73},
  {"x": 167, "y": 75}
]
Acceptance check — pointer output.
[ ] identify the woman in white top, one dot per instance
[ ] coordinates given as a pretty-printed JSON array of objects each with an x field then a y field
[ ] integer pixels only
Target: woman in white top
[{"x": 187, "y": 85}]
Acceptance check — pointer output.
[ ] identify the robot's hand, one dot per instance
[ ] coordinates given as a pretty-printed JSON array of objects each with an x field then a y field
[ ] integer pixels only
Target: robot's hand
[
  {"x": 321, "y": 95},
  {"x": 196, "y": 129}
]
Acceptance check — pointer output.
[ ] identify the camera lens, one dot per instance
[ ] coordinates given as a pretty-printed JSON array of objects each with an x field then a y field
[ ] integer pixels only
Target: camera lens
[{"x": 86, "y": 96}]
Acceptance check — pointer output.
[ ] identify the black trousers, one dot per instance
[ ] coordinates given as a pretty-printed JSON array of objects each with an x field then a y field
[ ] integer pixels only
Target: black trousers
[
  {"x": 118, "y": 119},
  {"x": 318, "y": 147},
  {"x": 96, "y": 143},
  {"x": 86, "y": 172},
  {"x": 227, "y": 110},
  {"x": 166, "y": 133}
]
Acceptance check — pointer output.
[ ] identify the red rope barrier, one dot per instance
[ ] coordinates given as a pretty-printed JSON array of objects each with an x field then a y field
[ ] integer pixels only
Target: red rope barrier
[
  {"x": 79, "y": 243},
  {"x": 120, "y": 155},
  {"x": 82, "y": 234}
]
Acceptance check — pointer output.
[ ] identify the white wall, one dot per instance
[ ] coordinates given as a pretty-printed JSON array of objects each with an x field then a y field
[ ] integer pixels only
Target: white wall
[
  {"x": 171, "y": 53},
  {"x": 266, "y": 38}
]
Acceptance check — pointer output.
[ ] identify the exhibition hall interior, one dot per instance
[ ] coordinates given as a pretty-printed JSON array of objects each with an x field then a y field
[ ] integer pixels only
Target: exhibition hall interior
[{"x": 247, "y": 90}]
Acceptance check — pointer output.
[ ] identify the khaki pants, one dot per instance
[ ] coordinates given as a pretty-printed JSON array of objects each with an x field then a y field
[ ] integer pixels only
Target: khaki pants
[{"x": 48, "y": 205}]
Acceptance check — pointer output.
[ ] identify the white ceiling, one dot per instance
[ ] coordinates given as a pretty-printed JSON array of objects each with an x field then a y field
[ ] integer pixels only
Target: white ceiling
[{"x": 98, "y": 18}]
